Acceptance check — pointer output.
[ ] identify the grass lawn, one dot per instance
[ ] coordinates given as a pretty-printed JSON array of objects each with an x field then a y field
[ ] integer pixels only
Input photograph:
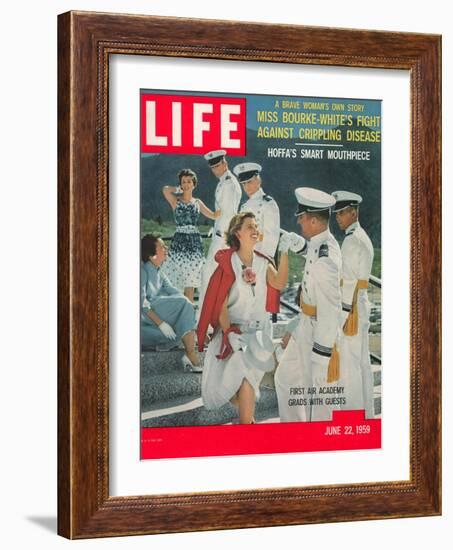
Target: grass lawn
[{"x": 296, "y": 263}]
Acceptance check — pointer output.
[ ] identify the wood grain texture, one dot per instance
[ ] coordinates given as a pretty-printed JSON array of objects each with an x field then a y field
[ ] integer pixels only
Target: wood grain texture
[
  {"x": 85, "y": 42},
  {"x": 64, "y": 388}
]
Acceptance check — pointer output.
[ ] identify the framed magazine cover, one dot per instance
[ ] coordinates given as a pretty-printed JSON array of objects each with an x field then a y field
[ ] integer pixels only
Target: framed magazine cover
[{"x": 99, "y": 54}]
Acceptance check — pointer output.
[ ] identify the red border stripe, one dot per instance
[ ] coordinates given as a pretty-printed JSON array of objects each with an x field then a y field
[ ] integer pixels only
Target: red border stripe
[{"x": 348, "y": 430}]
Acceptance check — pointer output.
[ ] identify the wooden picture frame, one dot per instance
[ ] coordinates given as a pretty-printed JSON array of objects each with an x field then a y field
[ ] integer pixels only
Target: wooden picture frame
[{"x": 85, "y": 41}]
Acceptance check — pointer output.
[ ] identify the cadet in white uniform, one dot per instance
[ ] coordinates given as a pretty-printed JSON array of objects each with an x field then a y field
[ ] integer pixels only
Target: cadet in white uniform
[
  {"x": 228, "y": 195},
  {"x": 306, "y": 378},
  {"x": 263, "y": 206},
  {"x": 357, "y": 255}
]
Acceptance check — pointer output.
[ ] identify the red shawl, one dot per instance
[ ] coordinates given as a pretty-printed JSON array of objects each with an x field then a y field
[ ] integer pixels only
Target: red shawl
[{"x": 218, "y": 289}]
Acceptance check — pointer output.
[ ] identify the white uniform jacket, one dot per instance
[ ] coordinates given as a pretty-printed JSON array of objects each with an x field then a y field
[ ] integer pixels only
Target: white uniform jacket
[
  {"x": 321, "y": 288},
  {"x": 305, "y": 361},
  {"x": 268, "y": 219},
  {"x": 357, "y": 254},
  {"x": 228, "y": 195}
]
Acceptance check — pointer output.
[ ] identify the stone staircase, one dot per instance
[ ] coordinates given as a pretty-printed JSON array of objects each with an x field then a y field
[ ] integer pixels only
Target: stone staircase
[
  {"x": 377, "y": 376},
  {"x": 172, "y": 397}
]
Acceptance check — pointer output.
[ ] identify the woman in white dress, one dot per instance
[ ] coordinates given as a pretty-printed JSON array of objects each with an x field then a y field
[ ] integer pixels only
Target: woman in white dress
[{"x": 241, "y": 293}]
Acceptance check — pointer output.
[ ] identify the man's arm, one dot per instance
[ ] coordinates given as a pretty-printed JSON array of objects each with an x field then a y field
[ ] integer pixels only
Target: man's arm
[
  {"x": 229, "y": 204},
  {"x": 365, "y": 261},
  {"x": 328, "y": 308},
  {"x": 271, "y": 230}
]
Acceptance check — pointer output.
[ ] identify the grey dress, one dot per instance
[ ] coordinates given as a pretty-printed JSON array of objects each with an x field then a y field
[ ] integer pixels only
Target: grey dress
[{"x": 158, "y": 295}]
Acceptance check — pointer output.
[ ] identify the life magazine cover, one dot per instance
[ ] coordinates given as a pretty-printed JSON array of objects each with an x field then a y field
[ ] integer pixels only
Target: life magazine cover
[{"x": 260, "y": 274}]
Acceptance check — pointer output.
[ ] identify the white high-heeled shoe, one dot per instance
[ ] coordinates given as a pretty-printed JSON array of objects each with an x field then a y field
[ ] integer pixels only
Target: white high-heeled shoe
[{"x": 189, "y": 366}]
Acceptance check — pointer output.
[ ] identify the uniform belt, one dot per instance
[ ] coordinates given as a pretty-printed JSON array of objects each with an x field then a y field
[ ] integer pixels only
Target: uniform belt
[
  {"x": 361, "y": 283},
  {"x": 351, "y": 325},
  {"x": 307, "y": 309},
  {"x": 333, "y": 369}
]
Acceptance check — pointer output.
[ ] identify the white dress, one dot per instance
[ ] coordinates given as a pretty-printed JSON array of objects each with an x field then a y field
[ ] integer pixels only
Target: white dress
[{"x": 246, "y": 308}]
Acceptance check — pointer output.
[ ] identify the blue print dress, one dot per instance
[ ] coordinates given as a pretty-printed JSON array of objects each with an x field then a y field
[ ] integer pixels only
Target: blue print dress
[{"x": 185, "y": 257}]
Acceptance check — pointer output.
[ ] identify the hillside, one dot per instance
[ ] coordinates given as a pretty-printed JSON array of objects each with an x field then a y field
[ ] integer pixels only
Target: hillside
[{"x": 280, "y": 178}]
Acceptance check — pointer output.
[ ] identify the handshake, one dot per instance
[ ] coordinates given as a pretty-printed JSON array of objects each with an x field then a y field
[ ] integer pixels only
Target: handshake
[{"x": 290, "y": 241}]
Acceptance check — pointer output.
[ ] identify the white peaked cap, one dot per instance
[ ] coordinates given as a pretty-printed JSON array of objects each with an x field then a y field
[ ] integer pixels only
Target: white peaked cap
[
  {"x": 215, "y": 157},
  {"x": 312, "y": 200},
  {"x": 246, "y": 171},
  {"x": 344, "y": 199}
]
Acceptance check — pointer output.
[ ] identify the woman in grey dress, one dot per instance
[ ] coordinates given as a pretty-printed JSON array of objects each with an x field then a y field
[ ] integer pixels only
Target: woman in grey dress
[{"x": 166, "y": 315}]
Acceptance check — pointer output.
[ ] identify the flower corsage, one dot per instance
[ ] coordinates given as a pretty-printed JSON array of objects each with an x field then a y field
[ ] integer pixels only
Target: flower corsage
[{"x": 249, "y": 277}]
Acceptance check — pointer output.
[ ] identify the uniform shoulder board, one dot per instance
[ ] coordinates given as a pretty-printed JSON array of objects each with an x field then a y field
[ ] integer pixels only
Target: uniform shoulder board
[
  {"x": 323, "y": 251},
  {"x": 227, "y": 178},
  {"x": 267, "y": 198},
  {"x": 351, "y": 232}
]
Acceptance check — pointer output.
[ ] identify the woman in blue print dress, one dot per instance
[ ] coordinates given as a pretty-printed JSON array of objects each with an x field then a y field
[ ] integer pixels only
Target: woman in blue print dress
[{"x": 185, "y": 257}]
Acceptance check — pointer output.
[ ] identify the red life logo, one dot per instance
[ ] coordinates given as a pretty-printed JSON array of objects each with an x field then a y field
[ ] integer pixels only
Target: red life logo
[{"x": 192, "y": 124}]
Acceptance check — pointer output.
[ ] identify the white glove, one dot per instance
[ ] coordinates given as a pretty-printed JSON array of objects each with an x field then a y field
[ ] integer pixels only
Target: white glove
[
  {"x": 211, "y": 232},
  {"x": 296, "y": 242},
  {"x": 236, "y": 341},
  {"x": 284, "y": 242},
  {"x": 167, "y": 331}
]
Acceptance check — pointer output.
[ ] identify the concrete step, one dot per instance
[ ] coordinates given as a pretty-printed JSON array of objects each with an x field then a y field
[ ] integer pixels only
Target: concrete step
[
  {"x": 189, "y": 411},
  {"x": 377, "y": 407},
  {"x": 166, "y": 387},
  {"x": 377, "y": 374},
  {"x": 162, "y": 362},
  {"x": 377, "y": 396},
  {"x": 377, "y": 389},
  {"x": 173, "y": 384}
]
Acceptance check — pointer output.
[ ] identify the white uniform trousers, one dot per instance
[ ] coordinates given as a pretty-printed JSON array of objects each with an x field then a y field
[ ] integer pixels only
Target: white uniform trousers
[
  {"x": 355, "y": 366},
  {"x": 298, "y": 370}
]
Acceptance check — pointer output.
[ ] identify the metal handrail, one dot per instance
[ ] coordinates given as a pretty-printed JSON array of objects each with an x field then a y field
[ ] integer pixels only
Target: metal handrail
[{"x": 375, "y": 281}]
